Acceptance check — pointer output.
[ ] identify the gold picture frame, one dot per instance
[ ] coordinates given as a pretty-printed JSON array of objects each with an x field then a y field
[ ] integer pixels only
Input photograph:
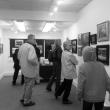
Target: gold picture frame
[{"x": 103, "y": 31}]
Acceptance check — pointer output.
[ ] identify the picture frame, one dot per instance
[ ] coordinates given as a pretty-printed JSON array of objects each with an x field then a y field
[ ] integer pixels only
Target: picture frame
[
  {"x": 79, "y": 50},
  {"x": 1, "y": 48},
  {"x": 74, "y": 45},
  {"x": 102, "y": 53},
  {"x": 103, "y": 31},
  {"x": 85, "y": 39},
  {"x": 79, "y": 40},
  {"x": 93, "y": 39},
  {"x": 18, "y": 43}
]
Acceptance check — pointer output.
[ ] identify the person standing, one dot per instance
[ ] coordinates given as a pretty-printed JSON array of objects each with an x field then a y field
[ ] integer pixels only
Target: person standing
[
  {"x": 37, "y": 80},
  {"x": 28, "y": 62},
  {"x": 16, "y": 68},
  {"x": 93, "y": 81},
  {"x": 68, "y": 72},
  {"x": 56, "y": 59}
]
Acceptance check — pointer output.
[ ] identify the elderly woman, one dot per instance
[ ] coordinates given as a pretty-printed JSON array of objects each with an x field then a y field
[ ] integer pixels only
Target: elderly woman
[
  {"x": 93, "y": 81},
  {"x": 68, "y": 72}
]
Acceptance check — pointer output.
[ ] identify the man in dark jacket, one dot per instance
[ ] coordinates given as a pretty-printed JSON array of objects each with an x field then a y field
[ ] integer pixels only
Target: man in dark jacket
[
  {"x": 56, "y": 59},
  {"x": 16, "y": 68}
]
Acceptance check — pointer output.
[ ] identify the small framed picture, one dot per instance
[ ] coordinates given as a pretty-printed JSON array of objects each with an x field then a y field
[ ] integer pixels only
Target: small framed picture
[
  {"x": 79, "y": 39},
  {"x": 103, "y": 31},
  {"x": 74, "y": 45},
  {"x": 18, "y": 43},
  {"x": 1, "y": 48},
  {"x": 80, "y": 50},
  {"x": 85, "y": 39},
  {"x": 102, "y": 52},
  {"x": 93, "y": 39}
]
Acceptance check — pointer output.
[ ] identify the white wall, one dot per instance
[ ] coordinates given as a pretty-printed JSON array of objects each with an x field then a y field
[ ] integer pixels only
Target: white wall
[
  {"x": 96, "y": 12},
  {"x": 6, "y": 62}
]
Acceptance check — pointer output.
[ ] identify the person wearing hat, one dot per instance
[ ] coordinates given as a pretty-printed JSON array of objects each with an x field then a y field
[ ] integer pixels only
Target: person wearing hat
[
  {"x": 93, "y": 81},
  {"x": 68, "y": 72}
]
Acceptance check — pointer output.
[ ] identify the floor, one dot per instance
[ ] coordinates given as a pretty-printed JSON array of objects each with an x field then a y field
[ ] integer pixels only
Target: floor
[{"x": 10, "y": 96}]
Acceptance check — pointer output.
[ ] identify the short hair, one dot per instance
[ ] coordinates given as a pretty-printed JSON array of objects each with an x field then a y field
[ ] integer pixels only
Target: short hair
[
  {"x": 66, "y": 43},
  {"x": 31, "y": 36}
]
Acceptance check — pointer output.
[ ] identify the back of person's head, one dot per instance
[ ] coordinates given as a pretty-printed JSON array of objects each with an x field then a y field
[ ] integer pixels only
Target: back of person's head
[
  {"x": 67, "y": 45},
  {"x": 31, "y": 39},
  {"x": 89, "y": 54},
  {"x": 58, "y": 42},
  {"x": 16, "y": 51}
]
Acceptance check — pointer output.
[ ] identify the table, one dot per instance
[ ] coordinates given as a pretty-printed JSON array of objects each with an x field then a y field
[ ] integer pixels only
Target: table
[{"x": 46, "y": 71}]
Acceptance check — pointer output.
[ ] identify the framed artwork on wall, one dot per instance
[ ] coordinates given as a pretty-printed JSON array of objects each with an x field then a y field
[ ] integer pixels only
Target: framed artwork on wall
[
  {"x": 79, "y": 50},
  {"x": 1, "y": 48},
  {"x": 79, "y": 40},
  {"x": 85, "y": 39},
  {"x": 102, "y": 52},
  {"x": 18, "y": 43},
  {"x": 103, "y": 31},
  {"x": 74, "y": 45},
  {"x": 93, "y": 39}
]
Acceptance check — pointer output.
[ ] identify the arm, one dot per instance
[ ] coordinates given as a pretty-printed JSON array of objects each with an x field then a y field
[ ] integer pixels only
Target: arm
[
  {"x": 74, "y": 60},
  {"x": 32, "y": 57},
  {"x": 81, "y": 81}
]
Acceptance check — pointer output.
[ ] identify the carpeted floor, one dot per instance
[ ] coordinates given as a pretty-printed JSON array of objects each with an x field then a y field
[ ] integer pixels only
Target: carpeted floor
[{"x": 10, "y": 96}]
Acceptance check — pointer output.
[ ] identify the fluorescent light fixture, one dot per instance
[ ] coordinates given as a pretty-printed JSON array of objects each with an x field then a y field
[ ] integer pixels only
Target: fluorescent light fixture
[
  {"x": 48, "y": 26},
  {"x": 51, "y": 14},
  {"x": 60, "y": 2},
  {"x": 55, "y": 9},
  {"x": 20, "y": 26}
]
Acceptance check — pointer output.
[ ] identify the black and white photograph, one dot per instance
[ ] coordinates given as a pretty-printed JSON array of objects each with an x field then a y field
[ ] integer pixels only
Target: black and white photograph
[{"x": 54, "y": 54}]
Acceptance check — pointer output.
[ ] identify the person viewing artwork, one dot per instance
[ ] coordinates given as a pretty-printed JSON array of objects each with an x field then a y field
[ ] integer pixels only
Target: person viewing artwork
[
  {"x": 68, "y": 72},
  {"x": 56, "y": 59},
  {"x": 16, "y": 68},
  {"x": 28, "y": 62},
  {"x": 93, "y": 81}
]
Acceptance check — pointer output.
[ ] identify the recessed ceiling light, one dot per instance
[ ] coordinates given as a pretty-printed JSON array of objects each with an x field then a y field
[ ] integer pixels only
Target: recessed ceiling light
[{"x": 55, "y": 9}]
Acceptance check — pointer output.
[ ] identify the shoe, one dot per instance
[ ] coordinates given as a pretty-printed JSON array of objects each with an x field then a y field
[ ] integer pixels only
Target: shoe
[
  {"x": 13, "y": 83},
  {"x": 67, "y": 102},
  {"x": 48, "y": 89},
  {"x": 29, "y": 104},
  {"x": 56, "y": 97},
  {"x": 22, "y": 100}
]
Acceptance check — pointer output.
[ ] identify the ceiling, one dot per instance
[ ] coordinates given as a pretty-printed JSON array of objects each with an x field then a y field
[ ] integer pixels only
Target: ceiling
[{"x": 67, "y": 6}]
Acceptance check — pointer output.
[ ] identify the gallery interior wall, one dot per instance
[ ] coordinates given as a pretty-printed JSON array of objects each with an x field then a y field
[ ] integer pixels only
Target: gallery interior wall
[
  {"x": 6, "y": 62},
  {"x": 94, "y": 13}
]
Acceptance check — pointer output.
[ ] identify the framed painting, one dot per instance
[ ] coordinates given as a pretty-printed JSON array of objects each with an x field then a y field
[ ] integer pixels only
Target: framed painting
[
  {"x": 1, "y": 48},
  {"x": 85, "y": 39},
  {"x": 102, "y": 52},
  {"x": 103, "y": 31},
  {"x": 79, "y": 39},
  {"x": 74, "y": 45},
  {"x": 93, "y": 39},
  {"x": 80, "y": 51},
  {"x": 18, "y": 43}
]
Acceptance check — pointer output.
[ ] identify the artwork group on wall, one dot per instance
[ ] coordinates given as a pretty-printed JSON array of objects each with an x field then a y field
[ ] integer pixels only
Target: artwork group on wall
[
  {"x": 102, "y": 52},
  {"x": 74, "y": 45},
  {"x": 93, "y": 39},
  {"x": 103, "y": 31}
]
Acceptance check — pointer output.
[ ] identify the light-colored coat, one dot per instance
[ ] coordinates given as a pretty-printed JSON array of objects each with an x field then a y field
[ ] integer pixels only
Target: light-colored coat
[
  {"x": 68, "y": 62},
  {"x": 28, "y": 60}
]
